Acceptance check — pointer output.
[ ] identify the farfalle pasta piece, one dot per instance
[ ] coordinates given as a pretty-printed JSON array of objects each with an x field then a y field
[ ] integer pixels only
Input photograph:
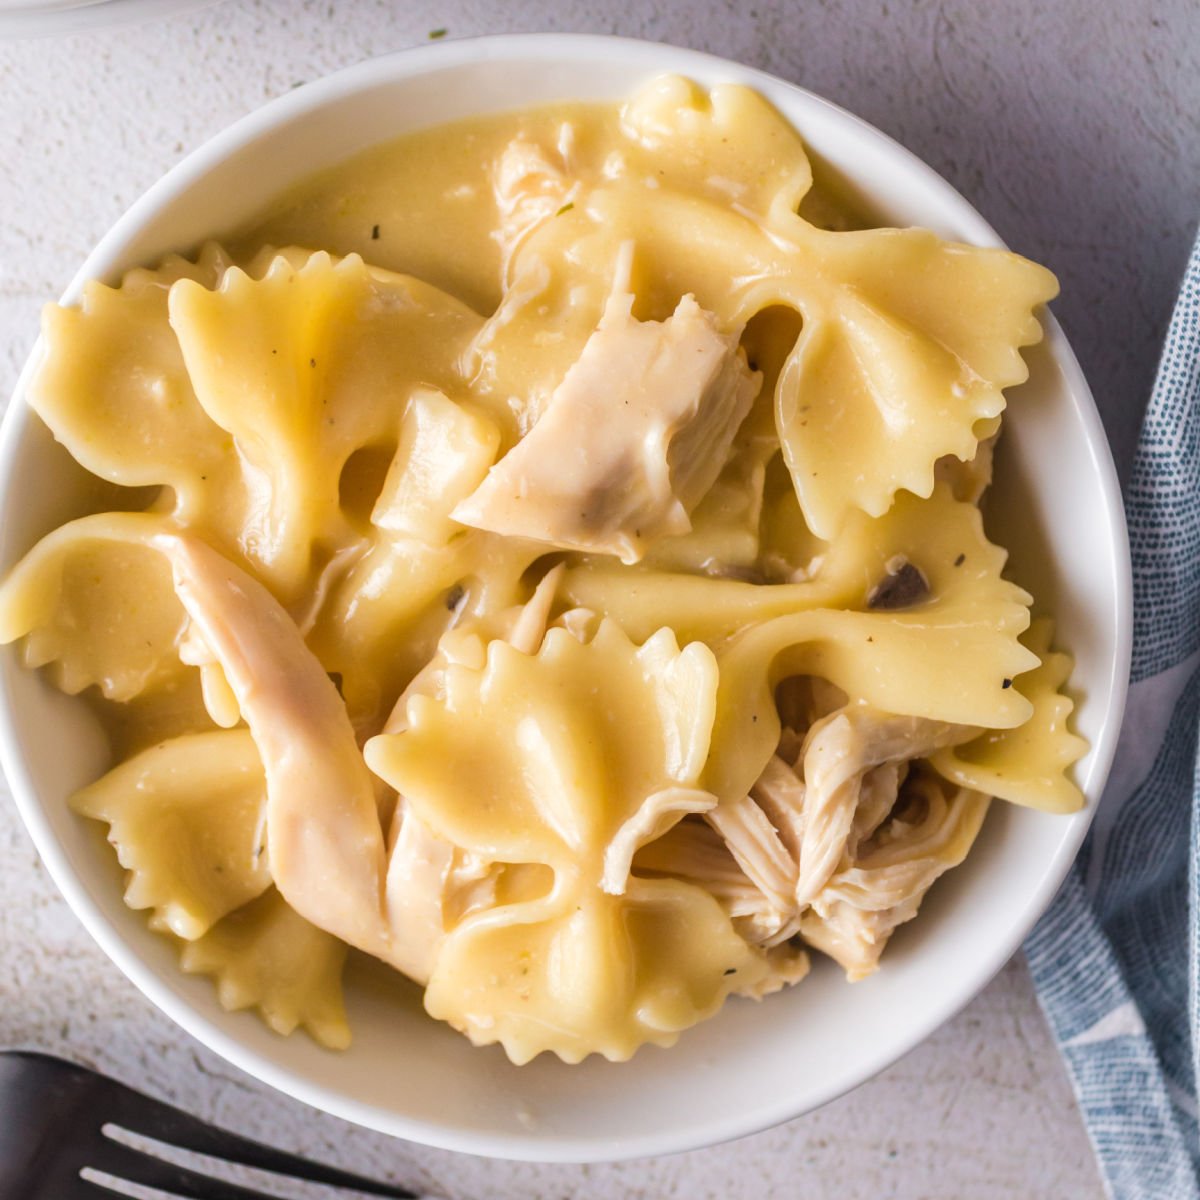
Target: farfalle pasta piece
[
  {"x": 607, "y": 725},
  {"x": 941, "y": 538},
  {"x": 188, "y": 821},
  {"x": 444, "y": 453},
  {"x": 700, "y": 142},
  {"x": 590, "y": 973},
  {"x": 266, "y": 957},
  {"x": 908, "y": 662},
  {"x": 113, "y": 388},
  {"x": 381, "y": 620},
  {"x": 1027, "y": 765},
  {"x": 95, "y": 604},
  {"x": 887, "y": 377},
  {"x": 303, "y": 367},
  {"x": 571, "y": 758},
  {"x": 633, "y": 438}
]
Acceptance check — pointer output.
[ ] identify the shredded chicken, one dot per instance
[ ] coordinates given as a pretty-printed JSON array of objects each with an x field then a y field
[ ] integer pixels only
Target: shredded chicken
[
  {"x": 529, "y": 628},
  {"x": 876, "y": 799},
  {"x": 529, "y": 189},
  {"x": 694, "y": 852},
  {"x": 838, "y": 839},
  {"x": 855, "y": 913},
  {"x": 838, "y": 752},
  {"x": 756, "y": 846},
  {"x": 652, "y": 819}
]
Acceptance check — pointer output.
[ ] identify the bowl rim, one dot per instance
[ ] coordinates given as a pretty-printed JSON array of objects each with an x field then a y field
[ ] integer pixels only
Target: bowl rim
[
  {"x": 429, "y": 58},
  {"x": 34, "y": 20}
]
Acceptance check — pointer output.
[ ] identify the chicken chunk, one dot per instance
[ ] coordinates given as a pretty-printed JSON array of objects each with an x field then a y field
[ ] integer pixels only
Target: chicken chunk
[{"x": 634, "y": 436}]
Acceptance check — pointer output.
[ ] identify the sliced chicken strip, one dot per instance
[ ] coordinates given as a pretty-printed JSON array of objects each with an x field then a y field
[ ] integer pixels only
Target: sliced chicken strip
[{"x": 325, "y": 842}]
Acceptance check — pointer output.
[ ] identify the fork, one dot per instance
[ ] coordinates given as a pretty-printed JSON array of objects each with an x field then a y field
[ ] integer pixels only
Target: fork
[{"x": 55, "y": 1118}]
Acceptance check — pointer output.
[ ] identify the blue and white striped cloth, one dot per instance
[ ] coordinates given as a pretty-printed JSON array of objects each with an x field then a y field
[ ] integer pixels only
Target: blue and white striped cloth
[{"x": 1116, "y": 958}]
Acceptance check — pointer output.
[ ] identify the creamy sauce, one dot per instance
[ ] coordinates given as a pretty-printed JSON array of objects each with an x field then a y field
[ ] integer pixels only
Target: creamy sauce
[{"x": 424, "y": 203}]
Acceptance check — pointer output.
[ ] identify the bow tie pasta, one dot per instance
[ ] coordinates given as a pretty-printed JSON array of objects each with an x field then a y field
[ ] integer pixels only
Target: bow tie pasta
[{"x": 565, "y": 582}]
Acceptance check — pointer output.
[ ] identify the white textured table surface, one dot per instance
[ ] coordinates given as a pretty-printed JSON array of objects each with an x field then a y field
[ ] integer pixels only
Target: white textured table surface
[{"x": 1072, "y": 126}]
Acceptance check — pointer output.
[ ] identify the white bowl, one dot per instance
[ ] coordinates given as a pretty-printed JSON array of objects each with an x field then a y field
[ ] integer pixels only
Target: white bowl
[
  {"x": 1057, "y": 505},
  {"x": 43, "y": 18}
]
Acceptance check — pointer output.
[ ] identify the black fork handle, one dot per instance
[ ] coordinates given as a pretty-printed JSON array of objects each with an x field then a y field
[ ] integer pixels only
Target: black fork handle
[
  {"x": 32, "y": 1154},
  {"x": 82, "y": 1101}
]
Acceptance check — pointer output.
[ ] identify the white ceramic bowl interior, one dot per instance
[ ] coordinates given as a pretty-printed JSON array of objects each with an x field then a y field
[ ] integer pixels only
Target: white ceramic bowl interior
[{"x": 1056, "y": 504}]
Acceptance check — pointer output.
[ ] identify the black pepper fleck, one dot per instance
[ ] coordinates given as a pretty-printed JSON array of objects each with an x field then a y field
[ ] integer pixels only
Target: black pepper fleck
[
  {"x": 962, "y": 558},
  {"x": 1007, "y": 683}
]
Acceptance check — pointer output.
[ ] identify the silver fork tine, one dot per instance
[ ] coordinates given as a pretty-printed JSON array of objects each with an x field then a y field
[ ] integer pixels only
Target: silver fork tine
[
  {"x": 139, "y": 1113},
  {"x": 132, "y": 1166}
]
